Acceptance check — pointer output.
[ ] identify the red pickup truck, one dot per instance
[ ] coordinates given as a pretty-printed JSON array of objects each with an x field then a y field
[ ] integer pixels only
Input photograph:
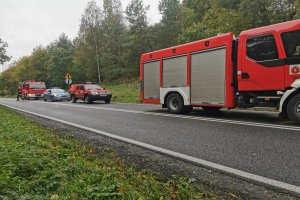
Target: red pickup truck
[{"x": 89, "y": 92}]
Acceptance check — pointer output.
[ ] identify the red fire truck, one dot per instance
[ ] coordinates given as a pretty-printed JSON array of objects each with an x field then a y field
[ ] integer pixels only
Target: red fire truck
[
  {"x": 260, "y": 67},
  {"x": 32, "y": 89}
]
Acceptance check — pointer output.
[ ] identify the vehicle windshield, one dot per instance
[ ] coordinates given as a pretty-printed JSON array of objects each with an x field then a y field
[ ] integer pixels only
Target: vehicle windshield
[
  {"x": 37, "y": 85},
  {"x": 93, "y": 87},
  {"x": 291, "y": 42},
  {"x": 58, "y": 91}
]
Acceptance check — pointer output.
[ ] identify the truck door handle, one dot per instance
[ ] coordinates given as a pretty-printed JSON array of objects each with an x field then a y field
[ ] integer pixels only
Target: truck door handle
[{"x": 245, "y": 76}]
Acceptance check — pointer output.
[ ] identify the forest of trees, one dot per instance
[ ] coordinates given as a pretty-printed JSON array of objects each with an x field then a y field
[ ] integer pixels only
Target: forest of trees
[{"x": 111, "y": 40}]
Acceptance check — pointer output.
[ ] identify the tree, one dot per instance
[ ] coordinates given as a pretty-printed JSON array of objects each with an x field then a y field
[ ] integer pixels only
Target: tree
[
  {"x": 137, "y": 36},
  {"x": 284, "y": 10},
  {"x": 91, "y": 30},
  {"x": 61, "y": 60},
  {"x": 114, "y": 32},
  {"x": 3, "y": 57},
  {"x": 199, "y": 7},
  {"x": 170, "y": 22},
  {"x": 37, "y": 66}
]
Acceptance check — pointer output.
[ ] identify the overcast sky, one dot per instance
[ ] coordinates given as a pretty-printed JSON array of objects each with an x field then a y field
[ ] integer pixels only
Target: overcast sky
[{"x": 26, "y": 24}]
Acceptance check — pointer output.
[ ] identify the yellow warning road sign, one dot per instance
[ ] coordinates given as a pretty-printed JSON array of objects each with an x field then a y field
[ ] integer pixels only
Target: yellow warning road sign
[{"x": 68, "y": 76}]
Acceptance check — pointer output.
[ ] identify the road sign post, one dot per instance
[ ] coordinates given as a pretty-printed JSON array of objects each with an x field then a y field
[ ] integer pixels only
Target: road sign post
[{"x": 68, "y": 80}]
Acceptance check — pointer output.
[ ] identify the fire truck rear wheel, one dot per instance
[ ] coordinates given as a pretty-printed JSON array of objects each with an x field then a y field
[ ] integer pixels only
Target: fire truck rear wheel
[
  {"x": 175, "y": 103},
  {"x": 293, "y": 108}
]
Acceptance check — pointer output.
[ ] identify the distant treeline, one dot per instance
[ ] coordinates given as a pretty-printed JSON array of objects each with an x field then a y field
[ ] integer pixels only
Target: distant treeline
[{"x": 110, "y": 40}]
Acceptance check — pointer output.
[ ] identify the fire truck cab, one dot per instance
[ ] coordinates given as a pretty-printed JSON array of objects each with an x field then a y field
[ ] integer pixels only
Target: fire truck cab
[
  {"x": 33, "y": 90},
  {"x": 259, "y": 68}
]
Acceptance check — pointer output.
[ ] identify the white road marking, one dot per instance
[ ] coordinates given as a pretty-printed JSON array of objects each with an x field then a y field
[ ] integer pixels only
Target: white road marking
[
  {"x": 249, "y": 176},
  {"x": 245, "y": 123}
]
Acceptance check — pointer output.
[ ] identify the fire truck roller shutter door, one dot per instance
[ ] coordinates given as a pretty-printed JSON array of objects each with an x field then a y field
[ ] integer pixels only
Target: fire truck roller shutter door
[
  {"x": 175, "y": 72},
  {"x": 208, "y": 76},
  {"x": 151, "y": 80}
]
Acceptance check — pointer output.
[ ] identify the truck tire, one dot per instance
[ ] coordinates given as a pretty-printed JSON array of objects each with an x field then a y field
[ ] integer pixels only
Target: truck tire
[
  {"x": 73, "y": 99},
  {"x": 175, "y": 103},
  {"x": 87, "y": 99},
  {"x": 293, "y": 108}
]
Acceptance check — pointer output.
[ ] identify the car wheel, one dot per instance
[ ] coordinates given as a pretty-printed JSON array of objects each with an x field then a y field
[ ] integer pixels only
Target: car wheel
[
  {"x": 51, "y": 99},
  {"x": 293, "y": 108},
  {"x": 175, "y": 103},
  {"x": 107, "y": 100},
  {"x": 73, "y": 99},
  {"x": 44, "y": 99},
  {"x": 87, "y": 99}
]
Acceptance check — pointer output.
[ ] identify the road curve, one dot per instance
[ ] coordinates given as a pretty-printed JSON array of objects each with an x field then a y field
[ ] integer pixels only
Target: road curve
[{"x": 257, "y": 143}]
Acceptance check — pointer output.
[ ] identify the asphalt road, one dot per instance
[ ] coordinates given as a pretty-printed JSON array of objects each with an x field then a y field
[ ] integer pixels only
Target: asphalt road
[{"x": 254, "y": 142}]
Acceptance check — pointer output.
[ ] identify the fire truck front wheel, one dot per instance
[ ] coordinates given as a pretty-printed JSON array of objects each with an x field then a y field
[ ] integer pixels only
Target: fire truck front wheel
[
  {"x": 293, "y": 108},
  {"x": 175, "y": 103}
]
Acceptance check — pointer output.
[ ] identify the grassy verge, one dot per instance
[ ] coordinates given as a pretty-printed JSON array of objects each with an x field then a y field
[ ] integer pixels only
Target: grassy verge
[
  {"x": 8, "y": 96},
  {"x": 37, "y": 164},
  {"x": 127, "y": 92}
]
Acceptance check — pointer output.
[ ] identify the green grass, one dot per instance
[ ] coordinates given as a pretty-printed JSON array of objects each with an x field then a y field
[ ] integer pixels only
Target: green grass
[
  {"x": 8, "y": 96},
  {"x": 125, "y": 92},
  {"x": 37, "y": 164}
]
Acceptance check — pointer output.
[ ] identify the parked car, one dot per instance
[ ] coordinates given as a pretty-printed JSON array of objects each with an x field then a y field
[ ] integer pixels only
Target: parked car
[
  {"x": 89, "y": 92},
  {"x": 56, "y": 94}
]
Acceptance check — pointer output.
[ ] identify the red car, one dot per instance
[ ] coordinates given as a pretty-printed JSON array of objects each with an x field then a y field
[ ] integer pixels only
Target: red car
[{"x": 89, "y": 92}]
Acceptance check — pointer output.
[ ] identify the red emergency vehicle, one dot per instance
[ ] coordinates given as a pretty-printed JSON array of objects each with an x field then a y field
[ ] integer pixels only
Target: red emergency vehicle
[
  {"x": 260, "y": 67},
  {"x": 32, "y": 89}
]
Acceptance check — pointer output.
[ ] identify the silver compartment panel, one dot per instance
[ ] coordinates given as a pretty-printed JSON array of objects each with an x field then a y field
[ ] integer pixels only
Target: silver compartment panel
[
  {"x": 151, "y": 80},
  {"x": 175, "y": 72},
  {"x": 208, "y": 77}
]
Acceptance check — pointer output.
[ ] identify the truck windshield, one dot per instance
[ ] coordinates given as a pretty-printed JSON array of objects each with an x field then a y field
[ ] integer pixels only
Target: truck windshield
[
  {"x": 37, "y": 85},
  {"x": 291, "y": 42},
  {"x": 93, "y": 87}
]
